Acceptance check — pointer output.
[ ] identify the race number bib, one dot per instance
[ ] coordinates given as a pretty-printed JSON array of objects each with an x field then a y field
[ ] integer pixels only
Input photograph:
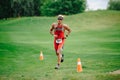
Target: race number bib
[{"x": 59, "y": 41}]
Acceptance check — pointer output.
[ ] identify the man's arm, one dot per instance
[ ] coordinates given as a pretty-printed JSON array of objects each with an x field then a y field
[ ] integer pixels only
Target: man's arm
[
  {"x": 51, "y": 29},
  {"x": 68, "y": 30}
]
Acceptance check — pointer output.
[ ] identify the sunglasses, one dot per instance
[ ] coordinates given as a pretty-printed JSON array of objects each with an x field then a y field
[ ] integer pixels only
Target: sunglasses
[{"x": 60, "y": 18}]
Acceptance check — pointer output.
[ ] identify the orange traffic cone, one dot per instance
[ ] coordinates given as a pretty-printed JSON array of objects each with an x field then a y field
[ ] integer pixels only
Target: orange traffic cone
[
  {"x": 79, "y": 65},
  {"x": 41, "y": 55}
]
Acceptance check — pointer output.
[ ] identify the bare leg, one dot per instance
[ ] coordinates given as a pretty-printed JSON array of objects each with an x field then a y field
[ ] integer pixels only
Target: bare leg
[
  {"x": 59, "y": 57},
  {"x": 58, "y": 60}
]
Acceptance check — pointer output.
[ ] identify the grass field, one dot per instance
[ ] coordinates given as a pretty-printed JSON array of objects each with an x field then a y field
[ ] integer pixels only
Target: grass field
[{"x": 95, "y": 39}]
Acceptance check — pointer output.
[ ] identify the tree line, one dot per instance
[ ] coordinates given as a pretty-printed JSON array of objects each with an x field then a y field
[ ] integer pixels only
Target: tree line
[
  {"x": 18, "y": 8},
  {"x": 114, "y": 5}
]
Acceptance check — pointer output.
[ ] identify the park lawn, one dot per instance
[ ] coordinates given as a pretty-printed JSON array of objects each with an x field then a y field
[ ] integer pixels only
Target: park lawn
[{"x": 95, "y": 39}]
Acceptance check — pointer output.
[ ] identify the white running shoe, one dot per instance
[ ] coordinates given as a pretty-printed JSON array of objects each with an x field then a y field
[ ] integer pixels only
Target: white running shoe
[{"x": 57, "y": 66}]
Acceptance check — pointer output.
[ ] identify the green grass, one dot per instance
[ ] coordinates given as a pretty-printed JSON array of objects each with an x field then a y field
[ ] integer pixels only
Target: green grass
[{"x": 95, "y": 39}]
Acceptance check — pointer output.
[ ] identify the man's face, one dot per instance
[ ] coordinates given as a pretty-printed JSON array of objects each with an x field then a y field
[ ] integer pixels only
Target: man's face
[{"x": 59, "y": 21}]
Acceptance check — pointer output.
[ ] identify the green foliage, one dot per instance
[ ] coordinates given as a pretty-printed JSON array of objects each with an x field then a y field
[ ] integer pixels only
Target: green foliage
[
  {"x": 26, "y": 7},
  {"x": 5, "y": 10},
  {"x": 22, "y": 8},
  {"x": 114, "y": 5},
  {"x": 66, "y": 7},
  {"x": 37, "y": 5},
  {"x": 49, "y": 8},
  {"x": 17, "y": 8}
]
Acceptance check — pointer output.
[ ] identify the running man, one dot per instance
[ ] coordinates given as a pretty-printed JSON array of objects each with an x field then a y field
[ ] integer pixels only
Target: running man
[{"x": 58, "y": 31}]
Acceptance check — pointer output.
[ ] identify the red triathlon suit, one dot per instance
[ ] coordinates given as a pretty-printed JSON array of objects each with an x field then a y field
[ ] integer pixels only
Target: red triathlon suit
[{"x": 59, "y": 40}]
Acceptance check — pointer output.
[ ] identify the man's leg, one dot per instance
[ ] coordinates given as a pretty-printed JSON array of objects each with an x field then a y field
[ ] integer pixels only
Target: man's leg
[
  {"x": 58, "y": 48},
  {"x": 58, "y": 60},
  {"x": 57, "y": 54}
]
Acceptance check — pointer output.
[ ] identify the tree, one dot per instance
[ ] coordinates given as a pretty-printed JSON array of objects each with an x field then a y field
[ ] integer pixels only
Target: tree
[
  {"x": 37, "y": 6},
  {"x": 66, "y": 7},
  {"x": 114, "y": 5},
  {"x": 26, "y": 7},
  {"x": 17, "y": 8},
  {"x": 22, "y": 8},
  {"x": 5, "y": 9}
]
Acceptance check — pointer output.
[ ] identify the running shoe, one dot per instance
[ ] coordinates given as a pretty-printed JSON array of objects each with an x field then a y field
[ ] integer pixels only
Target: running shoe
[{"x": 57, "y": 66}]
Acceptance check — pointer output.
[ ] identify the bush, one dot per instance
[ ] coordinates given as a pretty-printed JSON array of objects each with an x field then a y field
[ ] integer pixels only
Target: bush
[
  {"x": 17, "y": 8},
  {"x": 114, "y": 5},
  {"x": 65, "y": 7},
  {"x": 26, "y": 8},
  {"x": 5, "y": 10}
]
